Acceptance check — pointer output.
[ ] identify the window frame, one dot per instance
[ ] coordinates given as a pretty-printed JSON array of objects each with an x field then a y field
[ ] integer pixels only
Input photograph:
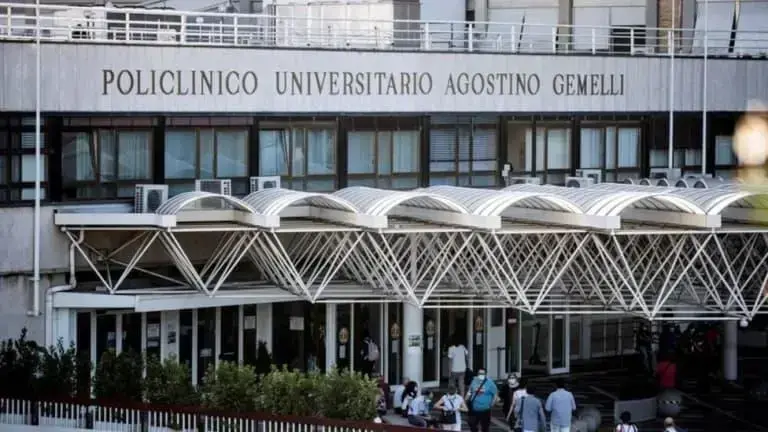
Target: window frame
[
  {"x": 244, "y": 180},
  {"x": 457, "y": 173},
  {"x": 290, "y": 181},
  {"x": 14, "y": 128},
  {"x": 93, "y": 136},
  {"x": 544, "y": 172},
  {"x": 619, "y": 173},
  {"x": 386, "y": 181}
]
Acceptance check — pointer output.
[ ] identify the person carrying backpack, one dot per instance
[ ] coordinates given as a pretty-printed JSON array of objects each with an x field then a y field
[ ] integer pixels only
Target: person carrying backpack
[
  {"x": 626, "y": 424},
  {"x": 369, "y": 355}
]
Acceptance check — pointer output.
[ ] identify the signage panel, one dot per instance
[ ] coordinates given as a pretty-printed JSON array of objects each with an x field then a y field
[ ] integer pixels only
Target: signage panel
[{"x": 107, "y": 78}]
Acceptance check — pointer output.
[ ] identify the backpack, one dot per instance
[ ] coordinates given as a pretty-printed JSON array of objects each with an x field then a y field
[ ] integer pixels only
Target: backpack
[{"x": 373, "y": 351}]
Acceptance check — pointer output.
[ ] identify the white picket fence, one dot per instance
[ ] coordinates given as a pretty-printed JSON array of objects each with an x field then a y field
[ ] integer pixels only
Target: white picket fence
[{"x": 74, "y": 416}]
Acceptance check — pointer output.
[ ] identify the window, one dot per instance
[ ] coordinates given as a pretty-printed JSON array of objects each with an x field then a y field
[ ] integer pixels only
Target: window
[
  {"x": 613, "y": 149},
  {"x": 304, "y": 156},
  {"x": 105, "y": 163},
  {"x": 553, "y": 152},
  {"x": 206, "y": 153},
  {"x": 726, "y": 162},
  {"x": 17, "y": 160},
  {"x": 463, "y": 151},
  {"x": 383, "y": 159}
]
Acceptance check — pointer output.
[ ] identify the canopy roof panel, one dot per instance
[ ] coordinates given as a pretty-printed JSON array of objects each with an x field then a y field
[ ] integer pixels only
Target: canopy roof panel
[
  {"x": 183, "y": 200},
  {"x": 275, "y": 201},
  {"x": 488, "y": 202},
  {"x": 603, "y": 206},
  {"x": 379, "y": 202}
]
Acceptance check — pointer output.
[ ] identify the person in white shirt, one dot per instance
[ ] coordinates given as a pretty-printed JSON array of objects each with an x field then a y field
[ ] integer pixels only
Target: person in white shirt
[
  {"x": 457, "y": 354},
  {"x": 669, "y": 425},
  {"x": 626, "y": 424},
  {"x": 452, "y": 402}
]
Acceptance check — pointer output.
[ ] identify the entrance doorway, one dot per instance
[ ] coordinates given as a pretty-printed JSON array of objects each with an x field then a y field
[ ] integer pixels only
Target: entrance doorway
[
  {"x": 453, "y": 329},
  {"x": 298, "y": 329},
  {"x": 545, "y": 344}
]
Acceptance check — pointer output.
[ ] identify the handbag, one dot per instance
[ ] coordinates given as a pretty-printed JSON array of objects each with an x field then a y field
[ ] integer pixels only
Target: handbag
[
  {"x": 449, "y": 417},
  {"x": 519, "y": 421}
]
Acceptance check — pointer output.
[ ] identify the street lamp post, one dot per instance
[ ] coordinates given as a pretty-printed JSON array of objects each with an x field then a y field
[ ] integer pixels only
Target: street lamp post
[{"x": 38, "y": 172}]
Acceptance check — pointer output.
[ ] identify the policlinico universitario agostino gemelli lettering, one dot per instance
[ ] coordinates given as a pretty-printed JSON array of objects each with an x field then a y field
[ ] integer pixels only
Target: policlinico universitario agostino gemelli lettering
[{"x": 181, "y": 82}]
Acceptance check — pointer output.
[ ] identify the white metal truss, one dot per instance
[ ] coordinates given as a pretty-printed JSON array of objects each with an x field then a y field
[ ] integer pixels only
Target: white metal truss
[{"x": 449, "y": 247}]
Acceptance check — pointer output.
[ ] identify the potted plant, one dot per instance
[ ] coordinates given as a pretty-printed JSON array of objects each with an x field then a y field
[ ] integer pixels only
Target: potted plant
[{"x": 168, "y": 384}]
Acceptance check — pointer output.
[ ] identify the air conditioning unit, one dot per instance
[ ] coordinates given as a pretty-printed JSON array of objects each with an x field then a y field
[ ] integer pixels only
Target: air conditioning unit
[
  {"x": 149, "y": 197},
  {"x": 261, "y": 183},
  {"x": 666, "y": 173},
  {"x": 217, "y": 186},
  {"x": 579, "y": 182},
  {"x": 523, "y": 180},
  {"x": 594, "y": 174}
]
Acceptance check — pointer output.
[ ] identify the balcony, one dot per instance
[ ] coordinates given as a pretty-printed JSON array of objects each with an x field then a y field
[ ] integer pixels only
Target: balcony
[{"x": 19, "y": 22}]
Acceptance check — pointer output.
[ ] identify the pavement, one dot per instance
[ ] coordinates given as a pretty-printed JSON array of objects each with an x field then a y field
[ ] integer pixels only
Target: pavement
[{"x": 723, "y": 408}]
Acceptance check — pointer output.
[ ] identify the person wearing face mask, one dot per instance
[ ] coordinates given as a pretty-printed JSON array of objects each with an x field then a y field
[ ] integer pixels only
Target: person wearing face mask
[
  {"x": 512, "y": 418},
  {"x": 418, "y": 410},
  {"x": 507, "y": 390},
  {"x": 451, "y": 405},
  {"x": 480, "y": 399}
]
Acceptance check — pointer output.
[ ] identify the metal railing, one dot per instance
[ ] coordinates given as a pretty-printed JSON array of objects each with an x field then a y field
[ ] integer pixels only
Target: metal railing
[
  {"x": 134, "y": 417},
  {"x": 168, "y": 27}
]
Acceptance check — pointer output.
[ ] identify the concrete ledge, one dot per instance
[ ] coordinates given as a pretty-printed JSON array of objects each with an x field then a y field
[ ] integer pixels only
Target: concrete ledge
[{"x": 640, "y": 409}]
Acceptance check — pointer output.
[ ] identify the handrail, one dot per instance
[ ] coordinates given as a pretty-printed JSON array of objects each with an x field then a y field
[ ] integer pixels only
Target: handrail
[{"x": 285, "y": 30}]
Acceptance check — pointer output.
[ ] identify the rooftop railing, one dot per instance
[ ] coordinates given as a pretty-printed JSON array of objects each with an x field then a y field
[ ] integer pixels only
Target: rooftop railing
[{"x": 19, "y": 22}]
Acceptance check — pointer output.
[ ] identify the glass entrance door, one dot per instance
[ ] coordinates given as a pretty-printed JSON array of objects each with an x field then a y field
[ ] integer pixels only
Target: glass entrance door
[
  {"x": 453, "y": 330},
  {"x": 559, "y": 359}
]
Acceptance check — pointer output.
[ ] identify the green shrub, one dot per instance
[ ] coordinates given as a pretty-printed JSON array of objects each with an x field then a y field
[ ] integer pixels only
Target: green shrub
[
  {"x": 290, "y": 392},
  {"x": 19, "y": 366},
  {"x": 169, "y": 383},
  {"x": 58, "y": 371},
  {"x": 229, "y": 387},
  {"x": 119, "y": 378},
  {"x": 348, "y": 396}
]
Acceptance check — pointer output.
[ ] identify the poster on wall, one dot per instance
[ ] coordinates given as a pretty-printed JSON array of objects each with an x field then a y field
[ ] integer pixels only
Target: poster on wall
[
  {"x": 296, "y": 323},
  {"x": 249, "y": 322}
]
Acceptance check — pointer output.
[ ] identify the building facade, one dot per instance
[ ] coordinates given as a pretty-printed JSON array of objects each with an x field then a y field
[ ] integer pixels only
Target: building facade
[{"x": 327, "y": 104}]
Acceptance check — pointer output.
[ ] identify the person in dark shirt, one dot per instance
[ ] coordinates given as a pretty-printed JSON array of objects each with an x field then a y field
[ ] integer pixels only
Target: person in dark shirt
[{"x": 644, "y": 347}]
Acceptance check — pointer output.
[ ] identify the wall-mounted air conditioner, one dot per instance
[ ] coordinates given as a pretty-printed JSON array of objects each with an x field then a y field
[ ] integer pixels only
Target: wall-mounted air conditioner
[
  {"x": 149, "y": 197},
  {"x": 523, "y": 180},
  {"x": 217, "y": 186},
  {"x": 261, "y": 183},
  {"x": 579, "y": 182},
  {"x": 594, "y": 174}
]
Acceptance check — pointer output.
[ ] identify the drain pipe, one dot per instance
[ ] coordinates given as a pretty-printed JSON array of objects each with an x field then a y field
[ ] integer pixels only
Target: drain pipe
[{"x": 49, "y": 319}]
